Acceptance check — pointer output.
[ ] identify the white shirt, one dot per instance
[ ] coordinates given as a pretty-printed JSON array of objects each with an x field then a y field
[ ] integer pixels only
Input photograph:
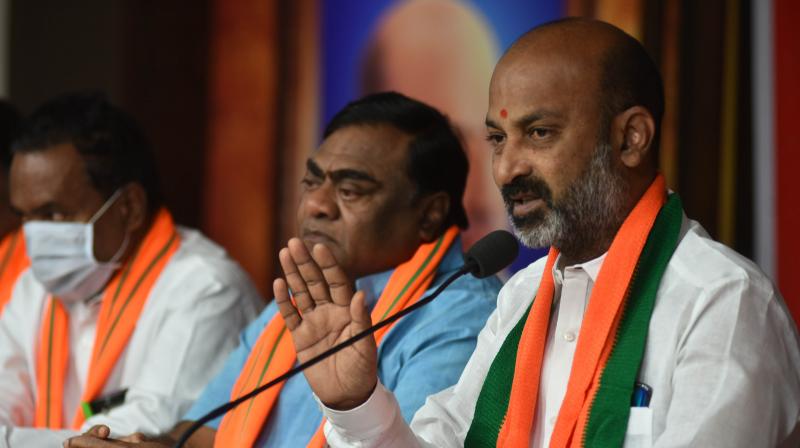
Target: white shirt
[
  {"x": 573, "y": 285},
  {"x": 190, "y": 322},
  {"x": 722, "y": 358}
]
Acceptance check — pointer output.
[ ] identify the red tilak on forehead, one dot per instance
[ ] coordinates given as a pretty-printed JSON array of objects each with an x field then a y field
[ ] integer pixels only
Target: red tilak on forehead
[{"x": 503, "y": 113}]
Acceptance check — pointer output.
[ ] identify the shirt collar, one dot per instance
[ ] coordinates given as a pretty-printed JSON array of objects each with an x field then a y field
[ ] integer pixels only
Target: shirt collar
[
  {"x": 373, "y": 284},
  {"x": 591, "y": 267}
]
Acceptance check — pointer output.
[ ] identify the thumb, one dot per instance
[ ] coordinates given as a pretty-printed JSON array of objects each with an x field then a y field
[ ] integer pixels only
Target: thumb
[
  {"x": 101, "y": 431},
  {"x": 359, "y": 313}
]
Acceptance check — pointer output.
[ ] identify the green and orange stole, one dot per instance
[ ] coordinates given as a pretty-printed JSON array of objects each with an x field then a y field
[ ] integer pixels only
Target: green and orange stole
[
  {"x": 122, "y": 302},
  {"x": 274, "y": 353},
  {"x": 609, "y": 350},
  {"x": 13, "y": 260}
]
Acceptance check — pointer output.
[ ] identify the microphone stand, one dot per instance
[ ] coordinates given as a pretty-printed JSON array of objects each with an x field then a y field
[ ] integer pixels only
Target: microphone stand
[{"x": 467, "y": 268}]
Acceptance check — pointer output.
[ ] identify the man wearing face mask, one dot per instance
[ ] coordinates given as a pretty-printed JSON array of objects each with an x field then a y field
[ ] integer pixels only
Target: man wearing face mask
[{"x": 123, "y": 316}]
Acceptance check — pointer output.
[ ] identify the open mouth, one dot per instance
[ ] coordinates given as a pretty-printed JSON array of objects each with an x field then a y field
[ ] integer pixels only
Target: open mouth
[
  {"x": 525, "y": 197},
  {"x": 524, "y": 203}
]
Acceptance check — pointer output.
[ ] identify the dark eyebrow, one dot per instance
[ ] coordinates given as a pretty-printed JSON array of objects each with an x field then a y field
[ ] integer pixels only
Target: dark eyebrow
[
  {"x": 339, "y": 175},
  {"x": 314, "y": 169},
  {"x": 47, "y": 208},
  {"x": 351, "y": 174}
]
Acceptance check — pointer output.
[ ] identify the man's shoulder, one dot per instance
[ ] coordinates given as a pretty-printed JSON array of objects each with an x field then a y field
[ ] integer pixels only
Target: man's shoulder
[
  {"x": 474, "y": 288},
  {"x": 466, "y": 297},
  {"x": 201, "y": 255},
  {"x": 462, "y": 308},
  {"x": 196, "y": 245},
  {"x": 202, "y": 266},
  {"x": 707, "y": 282},
  {"x": 701, "y": 262}
]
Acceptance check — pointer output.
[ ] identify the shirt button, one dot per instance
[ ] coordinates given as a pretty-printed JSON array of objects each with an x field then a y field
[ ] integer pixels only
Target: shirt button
[{"x": 569, "y": 336}]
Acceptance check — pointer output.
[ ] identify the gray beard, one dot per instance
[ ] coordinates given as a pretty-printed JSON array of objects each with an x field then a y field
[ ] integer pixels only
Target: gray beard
[{"x": 587, "y": 216}]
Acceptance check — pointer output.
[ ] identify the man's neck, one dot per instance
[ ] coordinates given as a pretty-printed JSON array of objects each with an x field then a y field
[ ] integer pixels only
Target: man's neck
[
  {"x": 137, "y": 237},
  {"x": 582, "y": 255}
]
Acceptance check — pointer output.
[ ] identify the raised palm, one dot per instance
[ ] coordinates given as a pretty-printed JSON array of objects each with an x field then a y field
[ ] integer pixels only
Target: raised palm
[{"x": 325, "y": 312}]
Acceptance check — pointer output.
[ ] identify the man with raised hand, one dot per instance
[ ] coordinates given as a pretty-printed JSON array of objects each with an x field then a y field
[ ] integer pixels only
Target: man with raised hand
[
  {"x": 638, "y": 329},
  {"x": 383, "y": 197},
  {"x": 120, "y": 305}
]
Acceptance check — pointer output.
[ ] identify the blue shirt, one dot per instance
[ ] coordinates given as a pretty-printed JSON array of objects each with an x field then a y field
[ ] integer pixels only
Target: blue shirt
[{"x": 422, "y": 354}]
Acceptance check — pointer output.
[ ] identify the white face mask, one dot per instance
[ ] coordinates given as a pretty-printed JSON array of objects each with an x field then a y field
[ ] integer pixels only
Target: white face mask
[{"x": 62, "y": 256}]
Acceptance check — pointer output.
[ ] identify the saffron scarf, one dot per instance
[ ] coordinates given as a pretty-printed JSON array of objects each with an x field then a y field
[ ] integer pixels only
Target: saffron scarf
[
  {"x": 123, "y": 299},
  {"x": 13, "y": 260},
  {"x": 609, "y": 350},
  {"x": 274, "y": 353}
]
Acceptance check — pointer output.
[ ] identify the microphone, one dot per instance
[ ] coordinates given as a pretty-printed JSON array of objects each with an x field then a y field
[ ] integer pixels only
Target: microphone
[
  {"x": 491, "y": 254},
  {"x": 486, "y": 257}
]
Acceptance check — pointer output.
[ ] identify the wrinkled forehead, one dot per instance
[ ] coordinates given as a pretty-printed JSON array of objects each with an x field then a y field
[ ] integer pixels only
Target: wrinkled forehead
[
  {"x": 539, "y": 61},
  {"x": 378, "y": 150},
  {"x": 53, "y": 166},
  {"x": 51, "y": 175},
  {"x": 545, "y": 75}
]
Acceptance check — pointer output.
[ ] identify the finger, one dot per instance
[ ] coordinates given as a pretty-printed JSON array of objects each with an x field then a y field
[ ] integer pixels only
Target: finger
[
  {"x": 339, "y": 284},
  {"x": 359, "y": 313},
  {"x": 285, "y": 305},
  {"x": 310, "y": 271},
  {"x": 136, "y": 437},
  {"x": 88, "y": 441},
  {"x": 101, "y": 431},
  {"x": 300, "y": 294}
]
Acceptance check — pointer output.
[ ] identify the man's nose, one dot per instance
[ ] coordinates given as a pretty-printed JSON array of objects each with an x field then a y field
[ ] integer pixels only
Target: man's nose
[
  {"x": 509, "y": 163},
  {"x": 321, "y": 203}
]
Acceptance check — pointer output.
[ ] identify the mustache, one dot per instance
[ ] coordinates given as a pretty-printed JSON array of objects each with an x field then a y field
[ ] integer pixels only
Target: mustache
[{"x": 521, "y": 185}]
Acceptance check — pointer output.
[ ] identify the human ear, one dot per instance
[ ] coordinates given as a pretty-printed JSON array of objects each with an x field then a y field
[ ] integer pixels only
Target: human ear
[
  {"x": 134, "y": 206},
  {"x": 633, "y": 131},
  {"x": 434, "y": 210}
]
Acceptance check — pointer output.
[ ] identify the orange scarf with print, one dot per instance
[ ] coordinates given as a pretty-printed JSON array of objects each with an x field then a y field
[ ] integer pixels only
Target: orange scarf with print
[
  {"x": 596, "y": 340},
  {"x": 609, "y": 350},
  {"x": 13, "y": 260},
  {"x": 274, "y": 353},
  {"x": 122, "y": 303}
]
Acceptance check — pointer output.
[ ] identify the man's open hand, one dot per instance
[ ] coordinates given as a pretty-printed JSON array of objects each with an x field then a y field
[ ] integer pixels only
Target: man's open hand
[{"x": 324, "y": 313}]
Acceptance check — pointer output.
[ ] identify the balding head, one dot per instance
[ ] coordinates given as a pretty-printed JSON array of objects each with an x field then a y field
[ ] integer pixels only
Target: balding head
[
  {"x": 611, "y": 61},
  {"x": 574, "y": 108}
]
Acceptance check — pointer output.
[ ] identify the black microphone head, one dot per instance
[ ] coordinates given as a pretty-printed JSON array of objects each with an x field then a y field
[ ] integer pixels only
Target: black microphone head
[{"x": 491, "y": 253}]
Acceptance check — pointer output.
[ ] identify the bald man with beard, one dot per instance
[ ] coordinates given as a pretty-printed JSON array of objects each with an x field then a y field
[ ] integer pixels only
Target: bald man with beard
[{"x": 638, "y": 329}]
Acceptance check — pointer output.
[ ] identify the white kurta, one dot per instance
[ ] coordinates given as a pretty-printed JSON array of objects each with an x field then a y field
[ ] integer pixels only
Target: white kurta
[
  {"x": 722, "y": 358},
  {"x": 190, "y": 322}
]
